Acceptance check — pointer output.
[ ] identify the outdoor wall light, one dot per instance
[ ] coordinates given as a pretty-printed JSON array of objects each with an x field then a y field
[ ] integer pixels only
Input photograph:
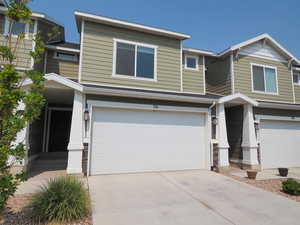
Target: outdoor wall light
[
  {"x": 86, "y": 115},
  {"x": 214, "y": 121}
]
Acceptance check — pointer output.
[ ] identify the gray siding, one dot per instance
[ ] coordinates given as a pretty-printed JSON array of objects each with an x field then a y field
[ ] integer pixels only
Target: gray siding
[
  {"x": 97, "y": 61},
  {"x": 218, "y": 77},
  {"x": 193, "y": 81},
  {"x": 242, "y": 74},
  {"x": 64, "y": 68}
]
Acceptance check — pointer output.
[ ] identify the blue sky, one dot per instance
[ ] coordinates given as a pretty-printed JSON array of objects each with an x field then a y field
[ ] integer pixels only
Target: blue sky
[{"x": 213, "y": 24}]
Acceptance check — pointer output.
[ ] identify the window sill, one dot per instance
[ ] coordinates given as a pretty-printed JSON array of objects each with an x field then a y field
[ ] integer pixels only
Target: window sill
[
  {"x": 133, "y": 78},
  {"x": 265, "y": 93},
  {"x": 191, "y": 69}
]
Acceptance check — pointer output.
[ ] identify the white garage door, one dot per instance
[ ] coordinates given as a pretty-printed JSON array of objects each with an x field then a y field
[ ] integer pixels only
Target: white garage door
[
  {"x": 125, "y": 140},
  {"x": 280, "y": 144}
]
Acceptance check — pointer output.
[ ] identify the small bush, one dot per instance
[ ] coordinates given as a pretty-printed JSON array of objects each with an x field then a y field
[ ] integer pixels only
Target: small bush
[
  {"x": 62, "y": 199},
  {"x": 291, "y": 187}
]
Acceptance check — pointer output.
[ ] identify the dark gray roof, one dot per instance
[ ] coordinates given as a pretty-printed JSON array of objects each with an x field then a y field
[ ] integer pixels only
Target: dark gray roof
[{"x": 208, "y": 95}]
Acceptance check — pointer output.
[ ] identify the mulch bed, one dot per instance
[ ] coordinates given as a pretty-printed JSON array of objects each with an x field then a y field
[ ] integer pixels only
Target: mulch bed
[
  {"x": 17, "y": 212},
  {"x": 272, "y": 185}
]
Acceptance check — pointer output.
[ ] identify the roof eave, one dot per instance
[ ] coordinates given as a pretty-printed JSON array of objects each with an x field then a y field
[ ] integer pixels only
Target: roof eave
[{"x": 119, "y": 23}]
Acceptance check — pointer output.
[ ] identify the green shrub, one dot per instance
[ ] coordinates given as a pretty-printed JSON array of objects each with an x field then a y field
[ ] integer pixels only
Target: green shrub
[
  {"x": 291, "y": 187},
  {"x": 62, "y": 199}
]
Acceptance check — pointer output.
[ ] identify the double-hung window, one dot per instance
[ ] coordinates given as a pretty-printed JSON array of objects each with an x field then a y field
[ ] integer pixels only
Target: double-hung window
[
  {"x": 264, "y": 79},
  {"x": 191, "y": 62},
  {"x": 18, "y": 28},
  {"x": 134, "y": 60},
  {"x": 296, "y": 78}
]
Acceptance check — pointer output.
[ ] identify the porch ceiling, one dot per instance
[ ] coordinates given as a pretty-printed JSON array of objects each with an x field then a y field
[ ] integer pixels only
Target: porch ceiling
[{"x": 59, "y": 96}]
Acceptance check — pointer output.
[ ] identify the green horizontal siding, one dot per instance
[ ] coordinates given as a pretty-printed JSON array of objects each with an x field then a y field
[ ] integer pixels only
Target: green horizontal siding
[
  {"x": 242, "y": 82},
  {"x": 297, "y": 93},
  {"x": 218, "y": 78},
  {"x": 62, "y": 67},
  {"x": 193, "y": 81},
  {"x": 97, "y": 60}
]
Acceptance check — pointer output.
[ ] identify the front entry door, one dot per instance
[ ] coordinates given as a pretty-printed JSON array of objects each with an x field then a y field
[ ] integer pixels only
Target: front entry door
[{"x": 59, "y": 131}]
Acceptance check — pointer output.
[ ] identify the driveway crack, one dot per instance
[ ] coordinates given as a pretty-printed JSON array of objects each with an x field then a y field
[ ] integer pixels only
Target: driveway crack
[{"x": 205, "y": 204}]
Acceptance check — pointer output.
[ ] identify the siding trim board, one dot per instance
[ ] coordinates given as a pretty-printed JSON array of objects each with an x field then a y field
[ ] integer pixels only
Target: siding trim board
[{"x": 81, "y": 50}]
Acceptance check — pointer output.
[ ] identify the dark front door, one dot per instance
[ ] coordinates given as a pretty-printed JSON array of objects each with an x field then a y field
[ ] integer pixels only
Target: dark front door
[{"x": 59, "y": 131}]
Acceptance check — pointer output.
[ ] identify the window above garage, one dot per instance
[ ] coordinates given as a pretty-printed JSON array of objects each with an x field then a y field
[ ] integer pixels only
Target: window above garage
[
  {"x": 134, "y": 60},
  {"x": 296, "y": 78}
]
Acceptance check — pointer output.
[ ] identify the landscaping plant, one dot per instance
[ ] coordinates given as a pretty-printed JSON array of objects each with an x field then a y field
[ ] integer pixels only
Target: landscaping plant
[
  {"x": 14, "y": 118},
  {"x": 62, "y": 199},
  {"x": 291, "y": 186}
]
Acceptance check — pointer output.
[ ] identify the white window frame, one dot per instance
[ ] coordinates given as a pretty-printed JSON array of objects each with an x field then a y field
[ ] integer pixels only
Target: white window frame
[
  {"x": 295, "y": 73},
  {"x": 115, "y": 75},
  {"x": 194, "y": 57},
  {"x": 252, "y": 80},
  {"x": 7, "y": 25},
  {"x": 64, "y": 59}
]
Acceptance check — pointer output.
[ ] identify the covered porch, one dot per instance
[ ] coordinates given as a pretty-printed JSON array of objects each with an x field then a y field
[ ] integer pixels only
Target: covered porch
[{"x": 235, "y": 142}]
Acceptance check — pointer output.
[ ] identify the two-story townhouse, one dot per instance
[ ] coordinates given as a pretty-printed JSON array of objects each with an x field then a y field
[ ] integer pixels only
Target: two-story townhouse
[
  {"x": 130, "y": 98},
  {"x": 266, "y": 72}
]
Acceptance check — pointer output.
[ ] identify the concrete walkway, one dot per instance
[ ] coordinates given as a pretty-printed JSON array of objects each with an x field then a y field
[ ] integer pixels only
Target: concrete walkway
[{"x": 185, "y": 198}]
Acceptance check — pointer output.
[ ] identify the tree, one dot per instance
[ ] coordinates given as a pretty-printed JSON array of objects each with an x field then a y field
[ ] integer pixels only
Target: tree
[{"x": 13, "y": 118}]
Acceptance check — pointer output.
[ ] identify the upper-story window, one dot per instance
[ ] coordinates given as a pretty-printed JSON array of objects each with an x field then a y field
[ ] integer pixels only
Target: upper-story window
[
  {"x": 18, "y": 28},
  {"x": 296, "y": 77},
  {"x": 264, "y": 79},
  {"x": 134, "y": 60},
  {"x": 191, "y": 62},
  {"x": 66, "y": 56}
]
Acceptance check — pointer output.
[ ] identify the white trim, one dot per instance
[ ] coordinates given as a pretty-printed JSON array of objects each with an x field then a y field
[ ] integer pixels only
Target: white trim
[
  {"x": 258, "y": 38},
  {"x": 64, "y": 59},
  {"x": 181, "y": 70},
  {"x": 204, "y": 74},
  {"x": 296, "y": 68},
  {"x": 62, "y": 48},
  {"x": 201, "y": 52},
  {"x": 237, "y": 96},
  {"x": 280, "y": 118},
  {"x": 33, "y": 42},
  {"x": 44, "y": 16},
  {"x": 297, "y": 73},
  {"x": 7, "y": 25},
  {"x": 252, "y": 80},
  {"x": 129, "y": 25},
  {"x": 81, "y": 51},
  {"x": 262, "y": 57},
  {"x": 209, "y": 162},
  {"x": 232, "y": 74},
  {"x": 62, "y": 80},
  {"x": 196, "y": 57},
  {"x": 136, "y": 44},
  {"x": 146, "y": 107}
]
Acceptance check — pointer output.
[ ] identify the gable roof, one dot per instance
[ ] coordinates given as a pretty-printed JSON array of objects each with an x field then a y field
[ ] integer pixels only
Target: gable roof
[
  {"x": 124, "y": 24},
  {"x": 267, "y": 37}
]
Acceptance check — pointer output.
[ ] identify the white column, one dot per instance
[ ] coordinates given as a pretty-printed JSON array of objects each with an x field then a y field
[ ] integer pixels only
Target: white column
[
  {"x": 22, "y": 138},
  {"x": 223, "y": 145},
  {"x": 75, "y": 146},
  {"x": 249, "y": 143}
]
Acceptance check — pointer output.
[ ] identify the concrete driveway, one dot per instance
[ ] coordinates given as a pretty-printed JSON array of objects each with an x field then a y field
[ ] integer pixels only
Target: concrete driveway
[{"x": 185, "y": 198}]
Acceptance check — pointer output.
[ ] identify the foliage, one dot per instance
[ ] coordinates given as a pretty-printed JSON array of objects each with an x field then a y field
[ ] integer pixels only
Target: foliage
[
  {"x": 18, "y": 107},
  {"x": 63, "y": 199},
  {"x": 291, "y": 187}
]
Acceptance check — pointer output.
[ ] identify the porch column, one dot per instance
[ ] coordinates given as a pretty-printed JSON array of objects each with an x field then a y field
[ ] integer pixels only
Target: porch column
[
  {"x": 75, "y": 146},
  {"x": 22, "y": 138},
  {"x": 249, "y": 144},
  {"x": 223, "y": 160}
]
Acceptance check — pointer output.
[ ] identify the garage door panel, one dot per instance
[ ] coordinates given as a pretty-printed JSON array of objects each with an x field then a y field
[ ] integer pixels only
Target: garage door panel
[
  {"x": 137, "y": 141},
  {"x": 280, "y": 142}
]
